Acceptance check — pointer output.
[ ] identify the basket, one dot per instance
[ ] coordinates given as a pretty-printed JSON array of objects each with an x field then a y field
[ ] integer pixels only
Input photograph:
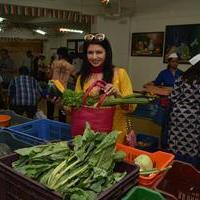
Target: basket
[
  {"x": 4, "y": 120},
  {"x": 14, "y": 185},
  {"x": 17, "y": 141},
  {"x": 181, "y": 182},
  {"x": 15, "y": 118},
  {"x": 160, "y": 159},
  {"x": 44, "y": 129},
  {"x": 99, "y": 118},
  {"x": 142, "y": 193}
]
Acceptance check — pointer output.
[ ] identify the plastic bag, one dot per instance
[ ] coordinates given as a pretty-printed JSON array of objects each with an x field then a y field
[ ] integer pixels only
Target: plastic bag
[
  {"x": 40, "y": 115},
  {"x": 131, "y": 139}
]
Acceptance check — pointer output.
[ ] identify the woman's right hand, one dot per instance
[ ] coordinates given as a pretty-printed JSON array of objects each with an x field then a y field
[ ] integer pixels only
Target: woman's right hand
[{"x": 110, "y": 89}]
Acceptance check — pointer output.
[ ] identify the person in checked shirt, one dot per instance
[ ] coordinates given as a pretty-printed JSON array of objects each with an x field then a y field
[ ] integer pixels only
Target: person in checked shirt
[{"x": 24, "y": 93}]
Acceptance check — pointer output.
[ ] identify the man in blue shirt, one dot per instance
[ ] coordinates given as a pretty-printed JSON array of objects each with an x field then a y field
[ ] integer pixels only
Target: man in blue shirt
[
  {"x": 168, "y": 76},
  {"x": 165, "y": 78}
]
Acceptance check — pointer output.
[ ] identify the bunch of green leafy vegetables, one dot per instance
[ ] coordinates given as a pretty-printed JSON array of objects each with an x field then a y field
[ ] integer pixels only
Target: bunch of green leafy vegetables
[
  {"x": 81, "y": 172},
  {"x": 74, "y": 99}
]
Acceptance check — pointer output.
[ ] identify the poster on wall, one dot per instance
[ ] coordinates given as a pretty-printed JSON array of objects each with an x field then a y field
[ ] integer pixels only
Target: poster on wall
[
  {"x": 147, "y": 44},
  {"x": 182, "y": 39}
]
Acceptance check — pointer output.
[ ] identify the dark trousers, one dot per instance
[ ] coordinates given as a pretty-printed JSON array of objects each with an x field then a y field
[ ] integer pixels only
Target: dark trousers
[
  {"x": 50, "y": 112},
  {"x": 2, "y": 102},
  {"x": 29, "y": 110},
  {"x": 165, "y": 128}
]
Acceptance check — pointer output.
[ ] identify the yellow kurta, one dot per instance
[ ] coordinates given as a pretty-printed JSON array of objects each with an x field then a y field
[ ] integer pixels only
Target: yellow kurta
[{"x": 121, "y": 81}]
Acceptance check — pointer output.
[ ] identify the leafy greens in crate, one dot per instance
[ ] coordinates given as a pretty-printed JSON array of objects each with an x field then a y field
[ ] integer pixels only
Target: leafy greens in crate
[{"x": 81, "y": 172}]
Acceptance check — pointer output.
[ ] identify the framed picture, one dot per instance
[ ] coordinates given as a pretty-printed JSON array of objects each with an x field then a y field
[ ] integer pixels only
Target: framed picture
[
  {"x": 147, "y": 44},
  {"x": 182, "y": 39},
  {"x": 75, "y": 45}
]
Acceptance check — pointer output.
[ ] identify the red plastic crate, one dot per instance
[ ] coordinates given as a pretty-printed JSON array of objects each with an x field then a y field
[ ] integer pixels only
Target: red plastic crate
[
  {"x": 15, "y": 186},
  {"x": 160, "y": 159},
  {"x": 181, "y": 182}
]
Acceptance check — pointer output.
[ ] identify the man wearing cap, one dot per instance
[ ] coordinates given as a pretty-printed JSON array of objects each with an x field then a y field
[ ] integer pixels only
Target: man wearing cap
[
  {"x": 167, "y": 77},
  {"x": 163, "y": 86}
]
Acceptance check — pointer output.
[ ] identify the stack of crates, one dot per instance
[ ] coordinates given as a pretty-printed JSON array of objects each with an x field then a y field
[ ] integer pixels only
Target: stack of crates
[
  {"x": 160, "y": 159},
  {"x": 16, "y": 141},
  {"x": 181, "y": 182},
  {"x": 14, "y": 185},
  {"x": 44, "y": 129},
  {"x": 142, "y": 193}
]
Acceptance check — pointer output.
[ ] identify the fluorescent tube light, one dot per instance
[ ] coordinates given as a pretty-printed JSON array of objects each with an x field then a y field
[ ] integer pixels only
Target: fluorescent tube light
[
  {"x": 2, "y": 19},
  {"x": 70, "y": 30},
  {"x": 40, "y": 32}
]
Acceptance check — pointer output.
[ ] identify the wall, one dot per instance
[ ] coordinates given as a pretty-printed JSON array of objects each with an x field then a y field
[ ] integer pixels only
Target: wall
[
  {"x": 50, "y": 42},
  {"x": 54, "y": 42},
  {"x": 118, "y": 33},
  {"x": 18, "y": 41},
  {"x": 150, "y": 16},
  {"x": 154, "y": 16}
]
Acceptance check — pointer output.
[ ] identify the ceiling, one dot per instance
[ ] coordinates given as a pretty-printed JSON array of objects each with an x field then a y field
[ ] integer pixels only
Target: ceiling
[{"x": 115, "y": 9}]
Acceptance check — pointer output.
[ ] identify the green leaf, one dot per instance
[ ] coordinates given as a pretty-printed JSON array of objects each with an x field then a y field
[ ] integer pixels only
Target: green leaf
[
  {"x": 119, "y": 156},
  {"x": 80, "y": 194},
  {"x": 97, "y": 186}
]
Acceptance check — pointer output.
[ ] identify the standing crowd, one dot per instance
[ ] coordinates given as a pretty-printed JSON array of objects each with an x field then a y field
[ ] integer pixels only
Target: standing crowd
[{"x": 179, "y": 91}]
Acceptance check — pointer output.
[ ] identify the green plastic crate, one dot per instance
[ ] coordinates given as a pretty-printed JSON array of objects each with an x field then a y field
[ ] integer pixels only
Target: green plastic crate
[{"x": 142, "y": 193}]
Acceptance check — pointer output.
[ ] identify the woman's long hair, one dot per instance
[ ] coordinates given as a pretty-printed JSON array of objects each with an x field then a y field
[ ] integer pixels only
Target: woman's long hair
[
  {"x": 192, "y": 74},
  {"x": 108, "y": 72}
]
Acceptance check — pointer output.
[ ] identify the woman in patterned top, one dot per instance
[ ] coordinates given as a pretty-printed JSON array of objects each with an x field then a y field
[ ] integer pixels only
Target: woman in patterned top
[
  {"x": 97, "y": 65},
  {"x": 184, "y": 124}
]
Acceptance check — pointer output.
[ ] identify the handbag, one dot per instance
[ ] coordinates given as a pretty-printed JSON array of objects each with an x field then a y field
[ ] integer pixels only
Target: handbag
[{"x": 100, "y": 118}]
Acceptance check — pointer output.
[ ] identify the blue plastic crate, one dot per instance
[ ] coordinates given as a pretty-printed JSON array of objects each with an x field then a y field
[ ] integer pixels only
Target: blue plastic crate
[
  {"x": 44, "y": 129},
  {"x": 17, "y": 141},
  {"x": 150, "y": 143},
  {"x": 152, "y": 111}
]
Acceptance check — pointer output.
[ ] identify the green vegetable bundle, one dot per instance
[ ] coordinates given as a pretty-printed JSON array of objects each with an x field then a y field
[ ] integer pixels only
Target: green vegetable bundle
[
  {"x": 81, "y": 172},
  {"x": 72, "y": 98}
]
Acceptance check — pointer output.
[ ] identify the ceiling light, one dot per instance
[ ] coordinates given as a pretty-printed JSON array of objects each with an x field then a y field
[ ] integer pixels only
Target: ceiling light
[
  {"x": 40, "y": 32},
  {"x": 70, "y": 30},
  {"x": 2, "y": 19},
  {"x": 0, "y": 29}
]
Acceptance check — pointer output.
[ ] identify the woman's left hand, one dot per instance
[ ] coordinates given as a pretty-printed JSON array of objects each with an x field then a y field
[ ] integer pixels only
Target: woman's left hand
[{"x": 110, "y": 89}]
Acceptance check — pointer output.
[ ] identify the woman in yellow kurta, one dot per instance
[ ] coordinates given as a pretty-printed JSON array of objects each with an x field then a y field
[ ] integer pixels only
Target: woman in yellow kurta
[{"x": 97, "y": 65}]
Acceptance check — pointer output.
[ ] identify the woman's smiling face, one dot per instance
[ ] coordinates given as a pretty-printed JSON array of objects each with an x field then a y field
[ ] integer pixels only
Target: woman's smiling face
[{"x": 96, "y": 55}]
